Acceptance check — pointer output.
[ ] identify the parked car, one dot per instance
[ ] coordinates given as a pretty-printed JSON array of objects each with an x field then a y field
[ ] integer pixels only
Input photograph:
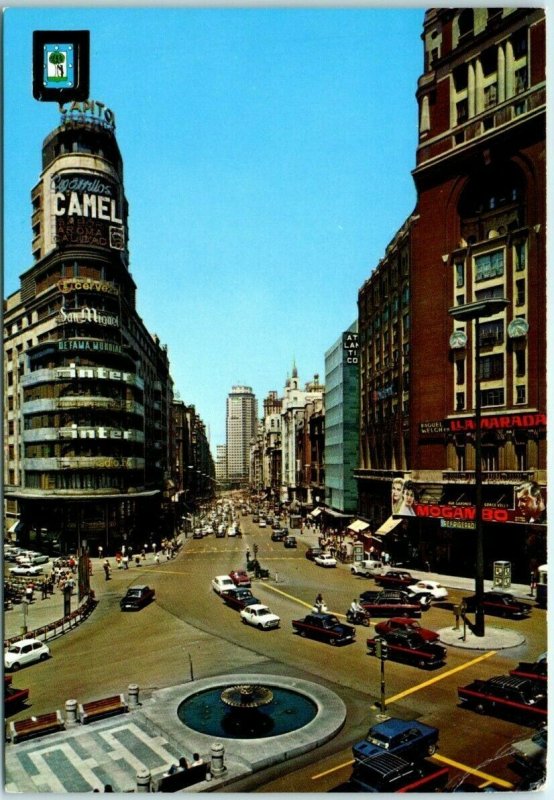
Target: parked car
[
  {"x": 410, "y": 739},
  {"x": 222, "y": 583},
  {"x": 13, "y": 697},
  {"x": 240, "y": 578},
  {"x": 501, "y": 604},
  {"x": 21, "y": 569},
  {"x": 325, "y": 560},
  {"x": 262, "y": 523},
  {"x": 405, "y": 623},
  {"x": 312, "y": 552},
  {"x": 259, "y": 616},
  {"x": 531, "y": 752},
  {"x": 25, "y": 652},
  {"x": 516, "y": 697},
  {"x": 220, "y": 532},
  {"x": 395, "y": 579},
  {"x": 428, "y": 589},
  {"x": 198, "y": 534},
  {"x": 410, "y": 647},
  {"x": 325, "y": 627},
  {"x": 536, "y": 670},
  {"x": 390, "y": 604},
  {"x": 368, "y": 568},
  {"x": 137, "y": 597},
  {"x": 290, "y": 542},
  {"x": 391, "y": 773},
  {"x": 239, "y": 598},
  {"x": 278, "y": 536}
]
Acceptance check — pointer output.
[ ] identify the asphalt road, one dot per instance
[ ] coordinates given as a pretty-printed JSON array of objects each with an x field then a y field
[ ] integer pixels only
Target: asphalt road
[{"x": 189, "y": 633}]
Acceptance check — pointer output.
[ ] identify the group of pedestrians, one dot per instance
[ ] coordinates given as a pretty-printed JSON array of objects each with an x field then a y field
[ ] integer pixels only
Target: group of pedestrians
[{"x": 125, "y": 556}]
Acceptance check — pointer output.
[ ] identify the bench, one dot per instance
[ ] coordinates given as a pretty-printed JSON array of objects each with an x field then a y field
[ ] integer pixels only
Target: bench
[
  {"x": 102, "y": 708},
  {"x": 180, "y": 779},
  {"x": 36, "y": 726}
]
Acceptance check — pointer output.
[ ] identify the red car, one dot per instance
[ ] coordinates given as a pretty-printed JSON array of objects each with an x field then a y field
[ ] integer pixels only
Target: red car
[
  {"x": 405, "y": 623},
  {"x": 13, "y": 698},
  {"x": 240, "y": 578}
]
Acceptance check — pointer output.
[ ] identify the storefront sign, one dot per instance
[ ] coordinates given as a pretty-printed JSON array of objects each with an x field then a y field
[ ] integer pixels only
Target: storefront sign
[
  {"x": 103, "y": 373},
  {"x": 86, "y": 315},
  {"x": 436, "y": 511},
  {"x": 68, "y": 285},
  {"x": 89, "y": 344},
  {"x": 489, "y": 423},
  {"x": 93, "y": 110},
  {"x": 77, "y": 432}
]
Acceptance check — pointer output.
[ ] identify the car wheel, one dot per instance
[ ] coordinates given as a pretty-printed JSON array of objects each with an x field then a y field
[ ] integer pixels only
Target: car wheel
[
  {"x": 43, "y": 656},
  {"x": 431, "y": 750},
  {"x": 365, "y": 622},
  {"x": 303, "y": 633},
  {"x": 243, "y": 621},
  {"x": 260, "y": 627},
  {"x": 480, "y": 708},
  {"x": 422, "y": 663},
  {"x": 15, "y": 667},
  {"x": 334, "y": 642}
]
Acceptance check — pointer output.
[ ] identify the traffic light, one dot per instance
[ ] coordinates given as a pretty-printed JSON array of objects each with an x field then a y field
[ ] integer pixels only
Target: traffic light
[
  {"x": 384, "y": 650},
  {"x": 378, "y": 647},
  {"x": 61, "y": 65}
]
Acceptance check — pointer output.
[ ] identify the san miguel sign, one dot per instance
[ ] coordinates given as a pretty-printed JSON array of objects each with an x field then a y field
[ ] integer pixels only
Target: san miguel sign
[{"x": 488, "y": 423}]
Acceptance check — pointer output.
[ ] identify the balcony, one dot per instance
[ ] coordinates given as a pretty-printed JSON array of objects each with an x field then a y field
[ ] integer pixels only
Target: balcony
[{"x": 496, "y": 476}]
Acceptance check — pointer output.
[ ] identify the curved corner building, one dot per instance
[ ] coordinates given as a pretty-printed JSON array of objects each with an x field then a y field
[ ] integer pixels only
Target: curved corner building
[{"x": 87, "y": 390}]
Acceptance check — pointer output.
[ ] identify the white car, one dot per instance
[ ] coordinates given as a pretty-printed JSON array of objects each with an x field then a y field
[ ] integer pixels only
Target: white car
[
  {"x": 222, "y": 583},
  {"x": 22, "y": 569},
  {"x": 260, "y": 617},
  {"x": 367, "y": 567},
  {"x": 325, "y": 560},
  {"x": 262, "y": 523},
  {"x": 428, "y": 589},
  {"x": 27, "y": 651}
]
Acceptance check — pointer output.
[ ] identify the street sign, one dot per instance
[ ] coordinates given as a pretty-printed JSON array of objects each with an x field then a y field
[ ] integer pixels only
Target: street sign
[{"x": 61, "y": 69}]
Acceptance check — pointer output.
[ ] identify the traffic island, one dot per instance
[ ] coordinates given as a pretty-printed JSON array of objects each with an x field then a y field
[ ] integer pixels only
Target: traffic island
[{"x": 494, "y": 638}]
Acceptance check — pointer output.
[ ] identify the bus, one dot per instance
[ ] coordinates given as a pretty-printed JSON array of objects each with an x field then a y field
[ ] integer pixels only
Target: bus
[{"x": 542, "y": 585}]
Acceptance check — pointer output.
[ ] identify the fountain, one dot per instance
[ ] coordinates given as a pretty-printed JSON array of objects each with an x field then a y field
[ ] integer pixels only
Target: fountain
[{"x": 247, "y": 711}]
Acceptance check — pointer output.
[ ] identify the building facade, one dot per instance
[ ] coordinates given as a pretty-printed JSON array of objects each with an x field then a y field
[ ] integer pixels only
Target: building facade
[
  {"x": 272, "y": 444},
  {"x": 241, "y": 429},
  {"x": 342, "y": 421},
  {"x": 88, "y": 393},
  {"x": 477, "y": 234}
]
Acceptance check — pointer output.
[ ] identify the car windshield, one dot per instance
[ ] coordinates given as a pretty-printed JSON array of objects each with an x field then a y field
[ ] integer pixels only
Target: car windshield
[
  {"x": 330, "y": 621},
  {"x": 134, "y": 592},
  {"x": 379, "y": 741},
  {"x": 15, "y": 648}
]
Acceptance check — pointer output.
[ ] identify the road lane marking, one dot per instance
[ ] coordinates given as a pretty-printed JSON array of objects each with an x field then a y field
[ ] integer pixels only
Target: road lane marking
[
  {"x": 290, "y": 596},
  {"x": 471, "y": 771},
  {"x": 333, "y": 769},
  {"x": 440, "y": 677}
]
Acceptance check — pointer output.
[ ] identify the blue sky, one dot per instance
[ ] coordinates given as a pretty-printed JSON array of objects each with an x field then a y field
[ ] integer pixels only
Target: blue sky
[{"x": 267, "y": 164}]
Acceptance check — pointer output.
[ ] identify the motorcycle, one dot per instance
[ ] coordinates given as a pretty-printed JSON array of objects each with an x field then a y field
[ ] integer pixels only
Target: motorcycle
[
  {"x": 358, "y": 617},
  {"x": 320, "y": 608}
]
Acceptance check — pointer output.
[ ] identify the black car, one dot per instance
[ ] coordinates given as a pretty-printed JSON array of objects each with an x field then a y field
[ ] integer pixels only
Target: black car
[
  {"x": 391, "y": 773},
  {"x": 312, "y": 552},
  {"x": 325, "y": 627},
  {"x": 501, "y": 604},
  {"x": 290, "y": 541},
  {"x": 137, "y": 597},
  {"x": 239, "y": 598},
  {"x": 390, "y": 604},
  {"x": 411, "y": 647},
  {"x": 535, "y": 670},
  {"x": 516, "y": 697},
  {"x": 278, "y": 535}
]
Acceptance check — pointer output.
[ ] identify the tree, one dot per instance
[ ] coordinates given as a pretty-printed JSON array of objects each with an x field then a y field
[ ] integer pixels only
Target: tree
[{"x": 57, "y": 59}]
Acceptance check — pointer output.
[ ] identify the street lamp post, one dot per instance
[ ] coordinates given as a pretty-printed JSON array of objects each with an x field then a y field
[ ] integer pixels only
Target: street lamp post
[{"x": 465, "y": 313}]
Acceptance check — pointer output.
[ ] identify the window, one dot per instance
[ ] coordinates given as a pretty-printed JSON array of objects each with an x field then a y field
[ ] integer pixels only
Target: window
[
  {"x": 520, "y": 363},
  {"x": 460, "y": 299},
  {"x": 489, "y": 457},
  {"x": 460, "y": 274},
  {"x": 460, "y": 401},
  {"x": 519, "y": 43},
  {"x": 520, "y": 256},
  {"x": 461, "y": 112},
  {"x": 460, "y": 371},
  {"x": 520, "y": 82},
  {"x": 405, "y": 324},
  {"x": 490, "y": 95},
  {"x": 520, "y": 292},
  {"x": 491, "y": 333},
  {"x": 521, "y": 456},
  {"x": 492, "y": 397},
  {"x": 489, "y": 265},
  {"x": 465, "y": 22},
  {"x": 460, "y": 458},
  {"x": 521, "y": 395},
  {"x": 405, "y": 295},
  {"x": 459, "y": 75},
  {"x": 490, "y": 292},
  {"x": 491, "y": 367}
]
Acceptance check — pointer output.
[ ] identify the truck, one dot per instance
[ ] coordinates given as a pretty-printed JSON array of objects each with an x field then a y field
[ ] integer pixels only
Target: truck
[
  {"x": 392, "y": 773},
  {"x": 368, "y": 567},
  {"x": 520, "y": 698}
]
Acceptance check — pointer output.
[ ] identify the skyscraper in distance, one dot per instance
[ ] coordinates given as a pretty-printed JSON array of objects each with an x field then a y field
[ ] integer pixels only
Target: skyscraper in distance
[{"x": 241, "y": 421}]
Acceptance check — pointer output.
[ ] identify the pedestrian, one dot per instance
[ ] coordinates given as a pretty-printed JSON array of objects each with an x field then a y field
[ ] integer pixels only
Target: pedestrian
[
  {"x": 154, "y": 547},
  {"x": 157, "y": 558},
  {"x": 532, "y": 583},
  {"x": 125, "y": 561},
  {"x": 196, "y": 760},
  {"x": 143, "y": 554},
  {"x": 107, "y": 569},
  {"x": 137, "y": 560},
  {"x": 44, "y": 589},
  {"x": 123, "y": 549},
  {"x": 100, "y": 551},
  {"x": 29, "y": 592},
  {"x": 118, "y": 560}
]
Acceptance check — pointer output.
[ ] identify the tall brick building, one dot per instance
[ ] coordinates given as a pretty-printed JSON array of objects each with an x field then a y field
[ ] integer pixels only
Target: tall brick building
[{"x": 478, "y": 232}]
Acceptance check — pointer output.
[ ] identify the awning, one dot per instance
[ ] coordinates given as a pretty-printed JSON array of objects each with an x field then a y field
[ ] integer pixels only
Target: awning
[
  {"x": 17, "y": 527},
  {"x": 358, "y": 526},
  {"x": 316, "y": 512},
  {"x": 388, "y": 526},
  {"x": 336, "y": 514}
]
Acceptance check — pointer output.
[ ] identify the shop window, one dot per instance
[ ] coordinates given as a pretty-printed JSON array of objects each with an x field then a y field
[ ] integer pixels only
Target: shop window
[
  {"x": 492, "y": 397},
  {"x": 489, "y": 265}
]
